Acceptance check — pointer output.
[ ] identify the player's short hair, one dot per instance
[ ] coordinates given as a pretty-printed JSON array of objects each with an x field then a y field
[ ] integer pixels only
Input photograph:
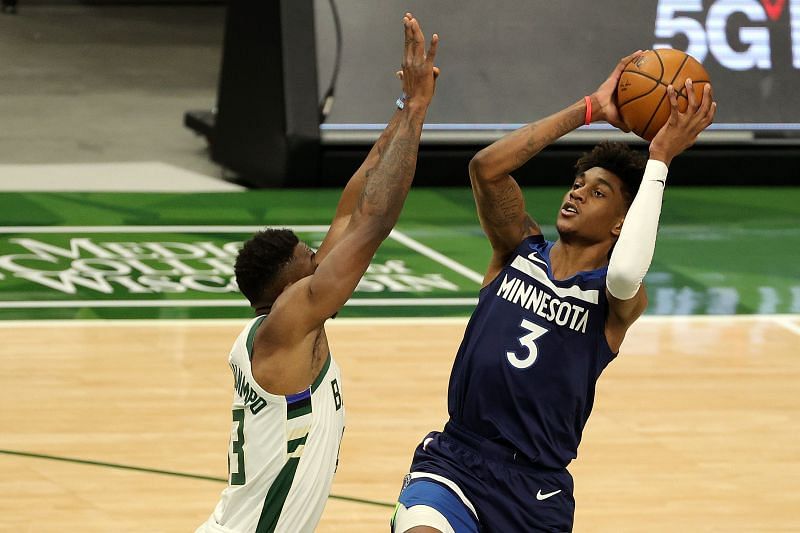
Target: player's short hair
[
  {"x": 618, "y": 158},
  {"x": 261, "y": 260}
]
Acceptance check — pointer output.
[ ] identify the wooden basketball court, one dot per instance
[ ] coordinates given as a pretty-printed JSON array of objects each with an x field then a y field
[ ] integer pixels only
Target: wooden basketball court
[{"x": 694, "y": 428}]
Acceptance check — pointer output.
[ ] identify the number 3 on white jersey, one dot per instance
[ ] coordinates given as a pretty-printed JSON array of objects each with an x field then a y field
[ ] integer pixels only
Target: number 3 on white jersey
[{"x": 527, "y": 341}]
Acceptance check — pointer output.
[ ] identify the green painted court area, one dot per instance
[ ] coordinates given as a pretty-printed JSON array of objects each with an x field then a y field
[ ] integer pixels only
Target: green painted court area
[{"x": 140, "y": 255}]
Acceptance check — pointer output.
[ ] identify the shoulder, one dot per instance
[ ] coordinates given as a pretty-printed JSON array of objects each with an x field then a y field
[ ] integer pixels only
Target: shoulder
[
  {"x": 532, "y": 243},
  {"x": 288, "y": 320}
]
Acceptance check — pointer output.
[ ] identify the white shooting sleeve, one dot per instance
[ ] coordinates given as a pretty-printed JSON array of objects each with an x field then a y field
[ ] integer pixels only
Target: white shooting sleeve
[{"x": 633, "y": 252}]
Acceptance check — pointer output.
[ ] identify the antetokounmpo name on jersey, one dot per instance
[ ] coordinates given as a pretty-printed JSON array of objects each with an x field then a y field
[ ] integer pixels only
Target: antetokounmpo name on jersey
[
  {"x": 248, "y": 395},
  {"x": 550, "y": 308}
]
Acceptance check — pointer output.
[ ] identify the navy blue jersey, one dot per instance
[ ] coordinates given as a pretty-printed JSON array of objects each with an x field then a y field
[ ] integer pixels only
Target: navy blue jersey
[{"x": 526, "y": 370}]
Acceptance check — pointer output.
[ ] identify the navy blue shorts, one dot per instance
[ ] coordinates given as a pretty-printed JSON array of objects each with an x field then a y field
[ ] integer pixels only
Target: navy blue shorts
[
  {"x": 441, "y": 495},
  {"x": 507, "y": 492}
]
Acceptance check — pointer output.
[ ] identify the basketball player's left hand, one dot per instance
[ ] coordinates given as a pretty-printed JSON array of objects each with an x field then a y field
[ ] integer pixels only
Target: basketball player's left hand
[
  {"x": 436, "y": 70},
  {"x": 681, "y": 130},
  {"x": 604, "y": 99},
  {"x": 419, "y": 74}
]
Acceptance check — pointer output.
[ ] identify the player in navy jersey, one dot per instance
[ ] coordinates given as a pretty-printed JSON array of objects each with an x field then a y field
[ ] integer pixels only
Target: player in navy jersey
[{"x": 550, "y": 317}]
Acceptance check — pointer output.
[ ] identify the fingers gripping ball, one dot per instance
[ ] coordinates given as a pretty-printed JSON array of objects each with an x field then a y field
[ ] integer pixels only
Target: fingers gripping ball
[{"x": 642, "y": 89}]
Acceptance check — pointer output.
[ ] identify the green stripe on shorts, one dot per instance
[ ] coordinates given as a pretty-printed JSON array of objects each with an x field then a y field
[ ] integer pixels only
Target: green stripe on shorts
[
  {"x": 295, "y": 443},
  {"x": 276, "y": 497}
]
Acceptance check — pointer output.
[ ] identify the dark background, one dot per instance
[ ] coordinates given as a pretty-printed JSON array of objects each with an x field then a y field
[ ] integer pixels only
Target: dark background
[
  {"x": 514, "y": 61},
  {"x": 96, "y": 82}
]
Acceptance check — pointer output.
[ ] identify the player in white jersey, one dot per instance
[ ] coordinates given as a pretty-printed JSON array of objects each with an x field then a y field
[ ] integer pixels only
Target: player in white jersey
[
  {"x": 271, "y": 434},
  {"x": 288, "y": 414}
]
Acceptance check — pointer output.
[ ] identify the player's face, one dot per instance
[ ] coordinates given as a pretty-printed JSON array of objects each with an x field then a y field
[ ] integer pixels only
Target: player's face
[
  {"x": 593, "y": 209},
  {"x": 303, "y": 263}
]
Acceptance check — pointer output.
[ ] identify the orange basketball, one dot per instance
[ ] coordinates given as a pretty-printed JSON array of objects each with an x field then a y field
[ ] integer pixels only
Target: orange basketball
[{"x": 642, "y": 89}]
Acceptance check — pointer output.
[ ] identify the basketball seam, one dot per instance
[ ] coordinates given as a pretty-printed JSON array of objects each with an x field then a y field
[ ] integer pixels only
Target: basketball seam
[
  {"x": 641, "y": 95},
  {"x": 681, "y": 92},
  {"x": 661, "y": 63},
  {"x": 677, "y": 72},
  {"x": 658, "y": 82}
]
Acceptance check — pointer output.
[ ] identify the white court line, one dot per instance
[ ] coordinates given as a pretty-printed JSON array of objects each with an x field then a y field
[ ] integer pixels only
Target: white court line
[
  {"x": 411, "y": 321},
  {"x": 362, "y": 302},
  {"x": 220, "y": 322},
  {"x": 383, "y": 302},
  {"x": 715, "y": 318},
  {"x": 69, "y": 304},
  {"x": 789, "y": 325},
  {"x": 153, "y": 229},
  {"x": 354, "y": 302},
  {"x": 783, "y": 320},
  {"x": 436, "y": 256}
]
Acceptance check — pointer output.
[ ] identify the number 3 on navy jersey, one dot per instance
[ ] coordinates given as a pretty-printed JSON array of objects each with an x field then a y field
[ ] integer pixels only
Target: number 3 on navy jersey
[{"x": 527, "y": 341}]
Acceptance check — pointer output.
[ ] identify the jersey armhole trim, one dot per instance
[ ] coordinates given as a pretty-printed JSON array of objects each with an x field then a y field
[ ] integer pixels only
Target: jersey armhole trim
[
  {"x": 305, "y": 393},
  {"x": 604, "y": 340},
  {"x": 539, "y": 238},
  {"x": 322, "y": 374},
  {"x": 251, "y": 336}
]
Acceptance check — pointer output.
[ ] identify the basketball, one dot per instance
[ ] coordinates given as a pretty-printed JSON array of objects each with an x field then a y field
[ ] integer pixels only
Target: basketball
[{"x": 642, "y": 89}]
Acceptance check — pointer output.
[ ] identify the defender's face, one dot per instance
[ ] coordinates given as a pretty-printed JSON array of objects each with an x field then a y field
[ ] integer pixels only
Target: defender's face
[
  {"x": 302, "y": 263},
  {"x": 593, "y": 209}
]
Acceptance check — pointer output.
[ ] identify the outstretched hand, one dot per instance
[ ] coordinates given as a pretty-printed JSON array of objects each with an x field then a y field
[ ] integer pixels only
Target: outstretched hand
[
  {"x": 681, "y": 130},
  {"x": 604, "y": 99},
  {"x": 418, "y": 74},
  {"x": 436, "y": 72}
]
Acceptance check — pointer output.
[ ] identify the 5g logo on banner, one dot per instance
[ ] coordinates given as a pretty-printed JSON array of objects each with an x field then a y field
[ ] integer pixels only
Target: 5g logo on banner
[{"x": 672, "y": 19}]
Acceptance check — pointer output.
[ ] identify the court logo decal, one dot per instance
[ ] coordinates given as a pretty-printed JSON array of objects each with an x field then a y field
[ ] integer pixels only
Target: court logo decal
[{"x": 170, "y": 265}]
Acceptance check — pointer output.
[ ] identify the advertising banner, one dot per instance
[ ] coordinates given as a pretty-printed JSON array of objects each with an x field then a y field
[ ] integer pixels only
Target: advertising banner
[{"x": 514, "y": 61}]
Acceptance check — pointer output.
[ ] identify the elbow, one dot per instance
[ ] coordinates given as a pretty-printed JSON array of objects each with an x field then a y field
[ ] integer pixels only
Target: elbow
[
  {"x": 477, "y": 166},
  {"x": 483, "y": 169},
  {"x": 622, "y": 283}
]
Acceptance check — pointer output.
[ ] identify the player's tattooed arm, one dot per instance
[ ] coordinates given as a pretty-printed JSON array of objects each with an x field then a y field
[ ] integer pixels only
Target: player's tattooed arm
[
  {"x": 309, "y": 302},
  {"x": 501, "y": 206},
  {"x": 501, "y": 210},
  {"x": 376, "y": 212},
  {"x": 354, "y": 188},
  {"x": 413, "y": 50},
  {"x": 499, "y": 200},
  {"x": 506, "y": 155},
  {"x": 387, "y": 185},
  {"x": 502, "y": 214}
]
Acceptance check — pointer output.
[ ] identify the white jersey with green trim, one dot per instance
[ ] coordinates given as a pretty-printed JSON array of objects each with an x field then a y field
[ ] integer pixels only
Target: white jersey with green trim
[{"x": 283, "y": 450}]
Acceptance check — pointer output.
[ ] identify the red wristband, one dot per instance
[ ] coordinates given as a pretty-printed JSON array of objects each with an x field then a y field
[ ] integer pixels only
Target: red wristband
[{"x": 588, "y": 119}]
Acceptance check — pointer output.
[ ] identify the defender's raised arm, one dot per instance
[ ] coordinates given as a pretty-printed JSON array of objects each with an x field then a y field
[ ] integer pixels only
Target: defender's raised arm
[{"x": 381, "y": 198}]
